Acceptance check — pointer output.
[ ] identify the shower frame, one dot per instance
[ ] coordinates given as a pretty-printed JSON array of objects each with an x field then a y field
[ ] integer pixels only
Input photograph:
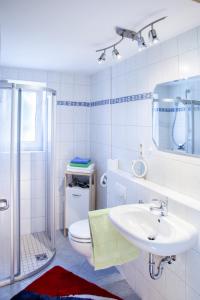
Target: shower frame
[{"x": 14, "y": 191}]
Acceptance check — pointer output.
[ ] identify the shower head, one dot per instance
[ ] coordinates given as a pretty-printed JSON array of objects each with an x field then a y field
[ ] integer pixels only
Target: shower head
[{"x": 187, "y": 91}]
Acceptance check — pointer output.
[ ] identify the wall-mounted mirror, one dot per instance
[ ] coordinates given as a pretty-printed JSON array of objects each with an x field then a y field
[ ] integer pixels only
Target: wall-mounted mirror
[{"x": 176, "y": 116}]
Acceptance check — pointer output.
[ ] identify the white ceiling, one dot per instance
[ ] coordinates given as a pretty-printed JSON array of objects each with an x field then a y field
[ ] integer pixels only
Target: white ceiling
[{"x": 64, "y": 34}]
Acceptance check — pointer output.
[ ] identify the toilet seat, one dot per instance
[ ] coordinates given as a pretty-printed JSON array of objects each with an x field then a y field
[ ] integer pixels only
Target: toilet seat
[
  {"x": 80, "y": 239},
  {"x": 80, "y": 232}
]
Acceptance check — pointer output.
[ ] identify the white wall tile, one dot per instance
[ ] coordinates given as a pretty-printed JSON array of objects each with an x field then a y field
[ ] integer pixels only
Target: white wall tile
[
  {"x": 81, "y": 93},
  {"x": 25, "y": 189},
  {"x": 81, "y": 115},
  {"x": 131, "y": 83},
  {"x": 81, "y": 132},
  {"x": 189, "y": 64},
  {"x": 65, "y": 114},
  {"x": 25, "y": 226},
  {"x": 170, "y": 68},
  {"x": 65, "y": 150},
  {"x": 155, "y": 72},
  {"x": 25, "y": 209},
  {"x": 198, "y": 33},
  {"x": 66, "y": 91},
  {"x": 82, "y": 149},
  {"x": 191, "y": 294},
  {"x": 140, "y": 60},
  {"x": 132, "y": 113},
  {"x": 188, "y": 41},
  {"x": 144, "y": 112},
  {"x": 179, "y": 266},
  {"x": 130, "y": 64},
  {"x": 119, "y": 114},
  {"x": 169, "y": 48},
  {"x": 25, "y": 74},
  {"x": 131, "y": 125},
  {"x": 37, "y": 207},
  {"x": 39, "y": 76},
  {"x": 100, "y": 115},
  {"x": 38, "y": 189},
  {"x": 153, "y": 54},
  {"x": 53, "y": 76},
  {"x": 64, "y": 78},
  {"x": 192, "y": 270},
  {"x": 142, "y": 80},
  {"x": 38, "y": 170},
  {"x": 65, "y": 133},
  {"x": 68, "y": 87},
  {"x": 9, "y": 73},
  {"x": 38, "y": 224},
  {"x": 175, "y": 287},
  {"x": 116, "y": 131},
  {"x": 81, "y": 79},
  {"x": 193, "y": 216},
  {"x": 101, "y": 134}
]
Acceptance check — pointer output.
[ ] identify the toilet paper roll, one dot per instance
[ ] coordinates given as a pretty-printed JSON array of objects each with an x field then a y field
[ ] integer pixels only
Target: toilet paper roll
[{"x": 103, "y": 180}]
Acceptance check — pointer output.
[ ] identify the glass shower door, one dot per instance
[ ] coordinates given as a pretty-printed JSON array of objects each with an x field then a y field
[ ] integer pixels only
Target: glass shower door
[
  {"x": 5, "y": 183},
  {"x": 36, "y": 172},
  {"x": 50, "y": 154},
  {"x": 26, "y": 180}
]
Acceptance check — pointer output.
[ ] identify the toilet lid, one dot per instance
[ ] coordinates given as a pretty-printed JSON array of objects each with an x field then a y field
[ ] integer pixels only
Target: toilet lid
[{"x": 80, "y": 229}]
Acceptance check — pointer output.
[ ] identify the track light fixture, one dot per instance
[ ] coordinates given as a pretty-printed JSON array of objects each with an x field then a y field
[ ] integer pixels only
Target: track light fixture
[
  {"x": 153, "y": 38},
  {"x": 102, "y": 57},
  {"x": 134, "y": 36},
  {"x": 115, "y": 53},
  {"x": 141, "y": 43}
]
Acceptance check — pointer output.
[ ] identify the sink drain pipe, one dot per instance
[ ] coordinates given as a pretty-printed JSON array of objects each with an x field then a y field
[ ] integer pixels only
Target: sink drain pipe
[{"x": 156, "y": 274}]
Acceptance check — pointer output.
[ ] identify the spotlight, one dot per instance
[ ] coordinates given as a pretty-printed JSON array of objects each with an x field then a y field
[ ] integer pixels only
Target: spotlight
[
  {"x": 102, "y": 57},
  {"x": 153, "y": 38},
  {"x": 115, "y": 53},
  {"x": 141, "y": 43},
  {"x": 134, "y": 36}
]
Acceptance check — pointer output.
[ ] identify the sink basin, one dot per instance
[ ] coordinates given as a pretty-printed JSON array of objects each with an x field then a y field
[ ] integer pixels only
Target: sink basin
[{"x": 164, "y": 236}]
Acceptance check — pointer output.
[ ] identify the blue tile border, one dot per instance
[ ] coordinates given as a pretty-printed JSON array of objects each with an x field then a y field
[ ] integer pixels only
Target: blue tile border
[
  {"x": 169, "y": 109},
  {"x": 73, "y": 103},
  {"x": 175, "y": 109},
  {"x": 126, "y": 99},
  {"x": 99, "y": 102},
  {"x": 138, "y": 97}
]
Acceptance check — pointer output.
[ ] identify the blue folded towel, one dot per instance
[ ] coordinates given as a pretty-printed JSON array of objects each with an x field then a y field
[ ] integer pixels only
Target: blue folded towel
[{"x": 79, "y": 160}]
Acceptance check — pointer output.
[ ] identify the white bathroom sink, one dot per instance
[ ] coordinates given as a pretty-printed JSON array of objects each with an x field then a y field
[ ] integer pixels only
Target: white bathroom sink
[{"x": 166, "y": 235}]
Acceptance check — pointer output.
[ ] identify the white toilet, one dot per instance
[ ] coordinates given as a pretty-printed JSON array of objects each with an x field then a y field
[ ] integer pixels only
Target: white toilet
[{"x": 80, "y": 239}]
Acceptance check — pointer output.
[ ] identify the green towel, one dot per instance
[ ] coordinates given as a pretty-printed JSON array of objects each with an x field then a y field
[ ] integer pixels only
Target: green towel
[
  {"x": 110, "y": 248},
  {"x": 80, "y": 165}
]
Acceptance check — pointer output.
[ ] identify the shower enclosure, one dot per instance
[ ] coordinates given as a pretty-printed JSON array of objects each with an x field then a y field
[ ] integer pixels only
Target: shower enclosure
[{"x": 27, "y": 231}]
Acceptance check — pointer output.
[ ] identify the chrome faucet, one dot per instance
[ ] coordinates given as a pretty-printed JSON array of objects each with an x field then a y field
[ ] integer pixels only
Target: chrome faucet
[{"x": 162, "y": 206}]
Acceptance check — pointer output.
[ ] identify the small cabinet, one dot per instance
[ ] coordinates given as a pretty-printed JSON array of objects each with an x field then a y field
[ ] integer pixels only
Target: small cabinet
[{"x": 78, "y": 200}]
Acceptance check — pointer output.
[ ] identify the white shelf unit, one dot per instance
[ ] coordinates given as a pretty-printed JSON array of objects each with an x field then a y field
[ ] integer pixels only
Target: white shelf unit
[{"x": 78, "y": 201}]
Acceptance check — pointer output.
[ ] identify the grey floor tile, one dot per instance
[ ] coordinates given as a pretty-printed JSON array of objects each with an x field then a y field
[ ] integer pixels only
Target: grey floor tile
[
  {"x": 122, "y": 289},
  {"x": 66, "y": 257}
]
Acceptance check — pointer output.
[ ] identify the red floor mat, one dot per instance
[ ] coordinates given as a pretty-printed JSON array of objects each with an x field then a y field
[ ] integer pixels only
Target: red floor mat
[{"x": 60, "y": 282}]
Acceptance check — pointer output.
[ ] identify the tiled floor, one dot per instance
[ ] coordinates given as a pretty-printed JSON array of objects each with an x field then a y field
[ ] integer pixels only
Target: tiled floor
[
  {"x": 110, "y": 279},
  {"x": 33, "y": 245}
]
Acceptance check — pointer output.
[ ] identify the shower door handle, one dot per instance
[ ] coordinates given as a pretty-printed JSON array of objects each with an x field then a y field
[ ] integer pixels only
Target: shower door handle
[{"x": 4, "y": 204}]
